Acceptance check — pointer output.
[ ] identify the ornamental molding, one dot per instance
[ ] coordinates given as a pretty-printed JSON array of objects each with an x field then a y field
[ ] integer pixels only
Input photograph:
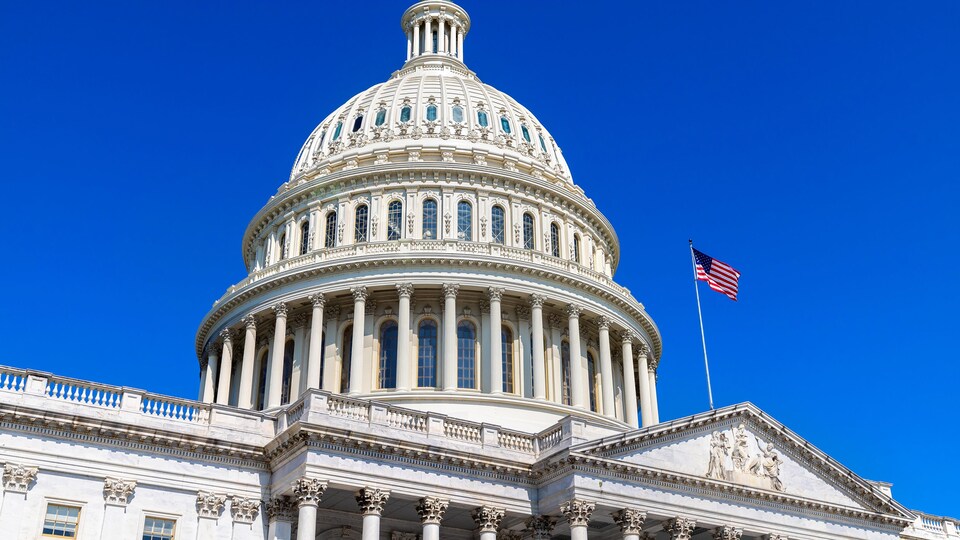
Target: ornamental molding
[
  {"x": 117, "y": 492},
  {"x": 210, "y": 505},
  {"x": 244, "y": 510},
  {"x": 372, "y": 500},
  {"x": 630, "y": 520},
  {"x": 18, "y": 478},
  {"x": 308, "y": 491},
  {"x": 488, "y": 518},
  {"x": 577, "y": 512},
  {"x": 431, "y": 509}
]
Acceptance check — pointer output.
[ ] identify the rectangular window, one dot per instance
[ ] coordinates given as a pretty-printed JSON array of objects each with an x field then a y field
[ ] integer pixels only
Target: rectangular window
[
  {"x": 61, "y": 521},
  {"x": 158, "y": 529}
]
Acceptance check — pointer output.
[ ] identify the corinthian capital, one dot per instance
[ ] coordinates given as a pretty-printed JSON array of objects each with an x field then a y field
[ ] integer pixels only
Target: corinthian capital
[
  {"x": 488, "y": 518},
  {"x": 210, "y": 505},
  {"x": 577, "y": 512},
  {"x": 17, "y": 478},
  {"x": 359, "y": 294},
  {"x": 537, "y": 300},
  {"x": 244, "y": 510},
  {"x": 281, "y": 509},
  {"x": 540, "y": 527},
  {"x": 450, "y": 290},
  {"x": 727, "y": 532},
  {"x": 280, "y": 309},
  {"x": 405, "y": 290},
  {"x": 679, "y": 528},
  {"x": 308, "y": 490},
  {"x": 496, "y": 294},
  {"x": 627, "y": 336},
  {"x": 250, "y": 322},
  {"x": 603, "y": 322},
  {"x": 630, "y": 520},
  {"x": 317, "y": 300},
  {"x": 431, "y": 509},
  {"x": 523, "y": 313},
  {"x": 116, "y": 491},
  {"x": 332, "y": 312},
  {"x": 226, "y": 335},
  {"x": 573, "y": 311},
  {"x": 371, "y": 500}
]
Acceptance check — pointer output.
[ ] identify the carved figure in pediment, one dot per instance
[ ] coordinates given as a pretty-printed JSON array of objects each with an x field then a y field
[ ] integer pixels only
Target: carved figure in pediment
[
  {"x": 759, "y": 470},
  {"x": 767, "y": 464},
  {"x": 718, "y": 454},
  {"x": 740, "y": 452}
]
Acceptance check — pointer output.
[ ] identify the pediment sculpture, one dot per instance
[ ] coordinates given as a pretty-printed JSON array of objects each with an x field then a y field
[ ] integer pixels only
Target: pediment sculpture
[{"x": 736, "y": 459}]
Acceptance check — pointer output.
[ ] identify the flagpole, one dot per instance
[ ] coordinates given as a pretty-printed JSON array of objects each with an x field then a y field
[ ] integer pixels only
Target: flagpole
[{"x": 703, "y": 338}]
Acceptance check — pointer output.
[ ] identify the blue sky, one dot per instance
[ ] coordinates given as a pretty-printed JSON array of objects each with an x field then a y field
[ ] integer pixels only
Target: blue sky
[{"x": 815, "y": 146}]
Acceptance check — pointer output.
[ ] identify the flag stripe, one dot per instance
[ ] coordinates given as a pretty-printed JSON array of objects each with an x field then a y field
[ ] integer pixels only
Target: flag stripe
[{"x": 720, "y": 276}]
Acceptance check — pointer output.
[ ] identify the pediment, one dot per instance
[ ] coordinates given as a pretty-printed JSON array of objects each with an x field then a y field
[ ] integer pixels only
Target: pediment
[{"x": 743, "y": 447}]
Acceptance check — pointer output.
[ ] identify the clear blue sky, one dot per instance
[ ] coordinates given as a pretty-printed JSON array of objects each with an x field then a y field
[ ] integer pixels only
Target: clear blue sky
[{"x": 813, "y": 145}]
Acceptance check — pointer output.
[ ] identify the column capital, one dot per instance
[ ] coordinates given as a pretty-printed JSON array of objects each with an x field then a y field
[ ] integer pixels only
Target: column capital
[
  {"x": 540, "y": 527},
  {"x": 359, "y": 294},
  {"x": 250, "y": 321},
  {"x": 281, "y": 509},
  {"x": 642, "y": 348},
  {"x": 523, "y": 313},
  {"x": 332, "y": 312},
  {"x": 244, "y": 510},
  {"x": 484, "y": 306},
  {"x": 317, "y": 300},
  {"x": 488, "y": 518},
  {"x": 680, "y": 528},
  {"x": 577, "y": 512},
  {"x": 450, "y": 290},
  {"x": 652, "y": 364},
  {"x": 372, "y": 500},
  {"x": 555, "y": 321},
  {"x": 226, "y": 335},
  {"x": 308, "y": 491},
  {"x": 537, "y": 300},
  {"x": 727, "y": 532},
  {"x": 603, "y": 322},
  {"x": 280, "y": 309},
  {"x": 774, "y": 536},
  {"x": 117, "y": 491},
  {"x": 627, "y": 336},
  {"x": 431, "y": 509},
  {"x": 405, "y": 290},
  {"x": 17, "y": 478},
  {"x": 573, "y": 311},
  {"x": 496, "y": 293},
  {"x": 210, "y": 505},
  {"x": 630, "y": 520}
]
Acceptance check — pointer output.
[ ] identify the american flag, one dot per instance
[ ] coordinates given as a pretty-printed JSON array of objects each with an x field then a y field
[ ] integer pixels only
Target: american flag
[{"x": 721, "y": 276}]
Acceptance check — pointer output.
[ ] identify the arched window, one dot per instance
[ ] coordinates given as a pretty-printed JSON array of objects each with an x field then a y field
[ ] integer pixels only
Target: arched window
[
  {"x": 336, "y": 132},
  {"x": 287, "y": 372},
  {"x": 458, "y": 114},
  {"x": 506, "y": 350},
  {"x": 388, "y": 355},
  {"x": 304, "y": 237},
  {"x": 497, "y": 224},
  {"x": 431, "y": 113},
  {"x": 565, "y": 372},
  {"x": 381, "y": 117},
  {"x": 261, "y": 384},
  {"x": 554, "y": 240},
  {"x": 323, "y": 354},
  {"x": 592, "y": 381},
  {"x": 576, "y": 248},
  {"x": 543, "y": 144},
  {"x": 283, "y": 246},
  {"x": 466, "y": 355},
  {"x": 357, "y": 122},
  {"x": 464, "y": 221},
  {"x": 483, "y": 119},
  {"x": 429, "y": 219},
  {"x": 405, "y": 113},
  {"x": 525, "y": 132},
  {"x": 323, "y": 136},
  {"x": 395, "y": 220},
  {"x": 505, "y": 124},
  {"x": 330, "y": 234},
  {"x": 346, "y": 352},
  {"x": 360, "y": 224},
  {"x": 528, "y": 231},
  {"x": 427, "y": 354}
]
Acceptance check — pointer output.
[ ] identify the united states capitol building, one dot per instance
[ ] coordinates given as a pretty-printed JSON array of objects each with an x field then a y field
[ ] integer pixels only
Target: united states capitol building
[{"x": 429, "y": 343}]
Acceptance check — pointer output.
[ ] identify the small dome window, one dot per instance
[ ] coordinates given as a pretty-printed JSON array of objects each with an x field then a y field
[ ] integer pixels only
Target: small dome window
[
  {"x": 543, "y": 144},
  {"x": 336, "y": 132},
  {"x": 381, "y": 117},
  {"x": 483, "y": 119},
  {"x": 431, "y": 113},
  {"x": 505, "y": 124},
  {"x": 526, "y": 133},
  {"x": 323, "y": 136},
  {"x": 357, "y": 122},
  {"x": 405, "y": 114},
  {"x": 458, "y": 114}
]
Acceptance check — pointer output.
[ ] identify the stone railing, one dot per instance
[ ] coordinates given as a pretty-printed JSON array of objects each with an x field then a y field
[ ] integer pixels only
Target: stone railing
[
  {"x": 933, "y": 527},
  {"x": 414, "y": 248}
]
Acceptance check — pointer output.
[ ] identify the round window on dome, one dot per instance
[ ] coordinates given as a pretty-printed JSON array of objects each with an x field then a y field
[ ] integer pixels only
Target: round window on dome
[
  {"x": 505, "y": 124},
  {"x": 458, "y": 114},
  {"x": 431, "y": 113},
  {"x": 483, "y": 119},
  {"x": 526, "y": 133},
  {"x": 381, "y": 117},
  {"x": 405, "y": 114}
]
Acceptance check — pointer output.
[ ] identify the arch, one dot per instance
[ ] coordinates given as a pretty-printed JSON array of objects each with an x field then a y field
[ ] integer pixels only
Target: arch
[
  {"x": 592, "y": 381},
  {"x": 555, "y": 239},
  {"x": 387, "y": 375},
  {"x": 565, "y": 372},
  {"x": 528, "y": 231},
  {"x": 330, "y": 232},
  {"x": 395, "y": 220},
  {"x": 427, "y": 354},
  {"x": 305, "y": 237},
  {"x": 361, "y": 223},
  {"x": 497, "y": 224},
  {"x": 429, "y": 228},
  {"x": 465, "y": 221},
  {"x": 346, "y": 353},
  {"x": 576, "y": 248},
  {"x": 466, "y": 355},
  {"x": 506, "y": 351},
  {"x": 288, "y": 348}
]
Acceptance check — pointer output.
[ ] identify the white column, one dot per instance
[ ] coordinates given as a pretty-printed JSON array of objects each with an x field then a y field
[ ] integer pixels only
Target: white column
[
  {"x": 629, "y": 380},
  {"x": 630, "y": 521},
  {"x": 456, "y": 41},
  {"x": 539, "y": 368},
  {"x": 450, "y": 291},
  {"x": 577, "y": 386},
  {"x": 431, "y": 511},
  {"x": 524, "y": 386},
  {"x": 409, "y": 45},
  {"x": 606, "y": 369},
  {"x": 316, "y": 341},
  {"x": 298, "y": 373},
  {"x": 646, "y": 400},
  {"x": 308, "y": 492},
  {"x": 334, "y": 358},
  {"x": 496, "y": 345},
  {"x": 427, "y": 39},
  {"x": 652, "y": 374},
  {"x": 275, "y": 371},
  {"x": 209, "y": 374},
  {"x": 441, "y": 46},
  {"x": 356, "y": 353},
  {"x": 281, "y": 512},
  {"x": 555, "y": 382},
  {"x": 404, "y": 368},
  {"x": 578, "y": 515},
  {"x": 416, "y": 40},
  {"x": 245, "y": 400},
  {"x": 460, "y": 44},
  {"x": 371, "y": 501},
  {"x": 225, "y": 367},
  {"x": 488, "y": 520}
]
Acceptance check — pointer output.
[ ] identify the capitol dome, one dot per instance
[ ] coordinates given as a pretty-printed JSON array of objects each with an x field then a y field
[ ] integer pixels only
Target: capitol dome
[{"x": 431, "y": 250}]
